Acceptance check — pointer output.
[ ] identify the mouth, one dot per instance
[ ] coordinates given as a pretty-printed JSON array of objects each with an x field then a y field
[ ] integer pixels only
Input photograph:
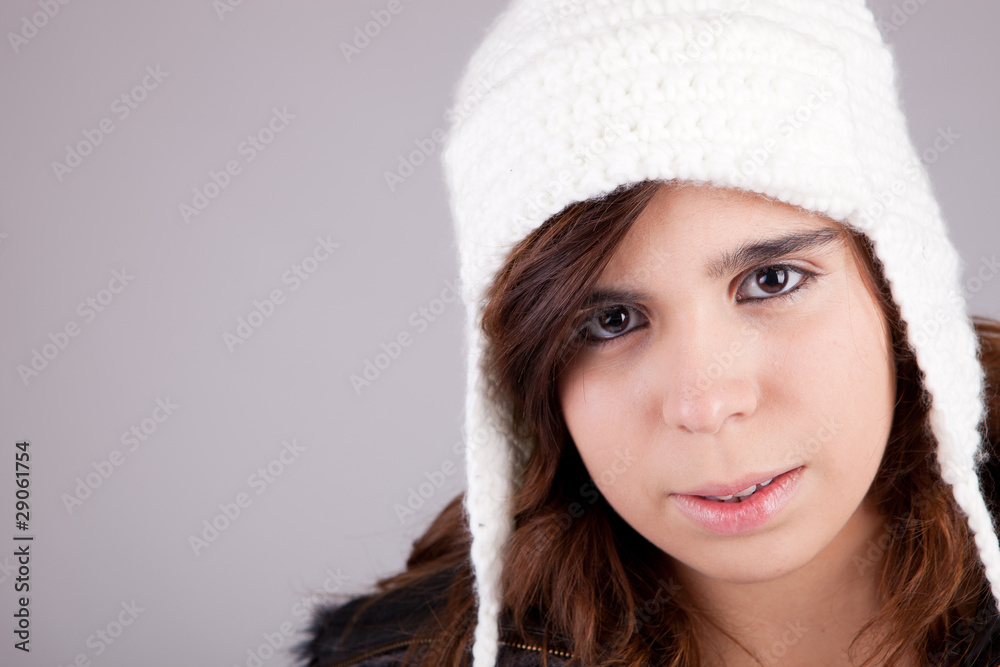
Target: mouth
[
  {"x": 741, "y": 507},
  {"x": 739, "y": 496},
  {"x": 738, "y": 489}
]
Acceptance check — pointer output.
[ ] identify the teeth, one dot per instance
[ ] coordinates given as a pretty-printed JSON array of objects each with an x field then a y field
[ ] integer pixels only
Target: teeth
[{"x": 738, "y": 497}]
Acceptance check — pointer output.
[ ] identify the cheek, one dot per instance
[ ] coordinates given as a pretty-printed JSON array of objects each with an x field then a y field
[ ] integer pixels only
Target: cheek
[
  {"x": 600, "y": 413},
  {"x": 836, "y": 376}
]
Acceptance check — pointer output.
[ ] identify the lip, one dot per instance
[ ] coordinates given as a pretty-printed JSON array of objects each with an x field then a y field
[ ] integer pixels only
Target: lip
[
  {"x": 737, "y": 486},
  {"x": 742, "y": 517}
]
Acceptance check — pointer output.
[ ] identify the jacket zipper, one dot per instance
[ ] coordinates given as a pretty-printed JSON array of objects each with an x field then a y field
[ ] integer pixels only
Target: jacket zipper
[
  {"x": 539, "y": 649},
  {"x": 404, "y": 643}
]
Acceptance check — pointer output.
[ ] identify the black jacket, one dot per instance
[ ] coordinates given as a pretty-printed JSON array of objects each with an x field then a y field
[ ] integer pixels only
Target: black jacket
[{"x": 379, "y": 635}]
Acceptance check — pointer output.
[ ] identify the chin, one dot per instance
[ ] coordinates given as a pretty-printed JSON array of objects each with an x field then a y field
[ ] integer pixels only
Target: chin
[
  {"x": 754, "y": 561},
  {"x": 744, "y": 573}
]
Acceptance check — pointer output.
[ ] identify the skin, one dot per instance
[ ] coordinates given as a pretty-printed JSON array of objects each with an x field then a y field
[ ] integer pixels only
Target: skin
[{"x": 698, "y": 388}]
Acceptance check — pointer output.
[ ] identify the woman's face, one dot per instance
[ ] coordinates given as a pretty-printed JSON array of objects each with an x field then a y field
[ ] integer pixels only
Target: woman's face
[{"x": 733, "y": 342}]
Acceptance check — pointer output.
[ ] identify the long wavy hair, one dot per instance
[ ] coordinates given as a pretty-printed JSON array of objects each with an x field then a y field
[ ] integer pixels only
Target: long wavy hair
[{"x": 583, "y": 578}]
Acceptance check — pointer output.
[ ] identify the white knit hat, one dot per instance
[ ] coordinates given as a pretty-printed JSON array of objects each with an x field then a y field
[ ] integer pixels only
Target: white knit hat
[{"x": 565, "y": 100}]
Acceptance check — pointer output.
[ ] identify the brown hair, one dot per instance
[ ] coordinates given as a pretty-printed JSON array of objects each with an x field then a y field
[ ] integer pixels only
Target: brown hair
[{"x": 595, "y": 586}]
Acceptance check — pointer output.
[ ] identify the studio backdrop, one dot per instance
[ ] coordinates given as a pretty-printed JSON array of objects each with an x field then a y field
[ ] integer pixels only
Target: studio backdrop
[{"x": 230, "y": 347}]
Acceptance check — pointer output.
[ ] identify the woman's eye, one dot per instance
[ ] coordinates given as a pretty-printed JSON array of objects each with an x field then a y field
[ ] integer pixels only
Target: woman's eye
[
  {"x": 610, "y": 323},
  {"x": 771, "y": 281},
  {"x": 766, "y": 283}
]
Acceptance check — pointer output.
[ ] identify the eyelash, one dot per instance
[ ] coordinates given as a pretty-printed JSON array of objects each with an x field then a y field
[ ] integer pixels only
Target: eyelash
[{"x": 596, "y": 342}]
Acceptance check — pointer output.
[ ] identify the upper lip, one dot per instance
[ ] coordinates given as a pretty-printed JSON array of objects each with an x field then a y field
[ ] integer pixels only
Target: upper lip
[{"x": 731, "y": 488}]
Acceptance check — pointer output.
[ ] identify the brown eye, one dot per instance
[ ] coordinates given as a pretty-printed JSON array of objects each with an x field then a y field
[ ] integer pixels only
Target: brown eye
[
  {"x": 614, "y": 320},
  {"x": 772, "y": 281},
  {"x": 609, "y": 323}
]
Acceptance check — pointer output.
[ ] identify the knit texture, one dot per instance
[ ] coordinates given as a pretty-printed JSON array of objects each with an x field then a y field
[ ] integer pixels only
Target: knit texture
[{"x": 565, "y": 100}]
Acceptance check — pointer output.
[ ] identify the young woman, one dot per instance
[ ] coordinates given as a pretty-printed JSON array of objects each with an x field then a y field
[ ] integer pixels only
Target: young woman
[{"x": 725, "y": 403}]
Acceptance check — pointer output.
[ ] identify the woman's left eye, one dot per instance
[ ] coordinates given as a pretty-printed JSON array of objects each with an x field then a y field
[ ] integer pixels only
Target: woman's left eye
[
  {"x": 611, "y": 323},
  {"x": 770, "y": 282}
]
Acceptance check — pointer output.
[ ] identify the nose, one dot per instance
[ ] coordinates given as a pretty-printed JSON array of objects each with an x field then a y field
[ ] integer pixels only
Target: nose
[{"x": 708, "y": 377}]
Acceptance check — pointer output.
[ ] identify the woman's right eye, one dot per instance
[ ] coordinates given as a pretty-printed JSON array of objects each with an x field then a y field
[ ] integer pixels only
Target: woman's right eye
[{"x": 608, "y": 324}]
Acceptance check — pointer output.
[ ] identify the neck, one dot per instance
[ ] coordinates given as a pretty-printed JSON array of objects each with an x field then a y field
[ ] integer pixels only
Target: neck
[{"x": 816, "y": 610}]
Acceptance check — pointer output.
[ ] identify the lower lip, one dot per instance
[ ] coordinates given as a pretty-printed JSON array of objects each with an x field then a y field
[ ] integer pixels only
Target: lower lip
[{"x": 745, "y": 516}]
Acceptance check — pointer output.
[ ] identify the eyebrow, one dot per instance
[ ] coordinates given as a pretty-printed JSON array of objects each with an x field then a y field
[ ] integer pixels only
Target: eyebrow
[
  {"x": 767, "y": 250},
  {"x": 743, "y": 257}
]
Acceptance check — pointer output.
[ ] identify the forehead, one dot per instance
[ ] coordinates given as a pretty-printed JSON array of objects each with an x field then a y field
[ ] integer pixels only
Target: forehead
[
  {"x": 688, "y": 223},
  {"x": 702, "y": 209}
]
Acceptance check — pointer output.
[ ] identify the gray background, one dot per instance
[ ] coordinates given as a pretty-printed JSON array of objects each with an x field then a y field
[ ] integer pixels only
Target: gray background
[{"x": 330, "y": 518}]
